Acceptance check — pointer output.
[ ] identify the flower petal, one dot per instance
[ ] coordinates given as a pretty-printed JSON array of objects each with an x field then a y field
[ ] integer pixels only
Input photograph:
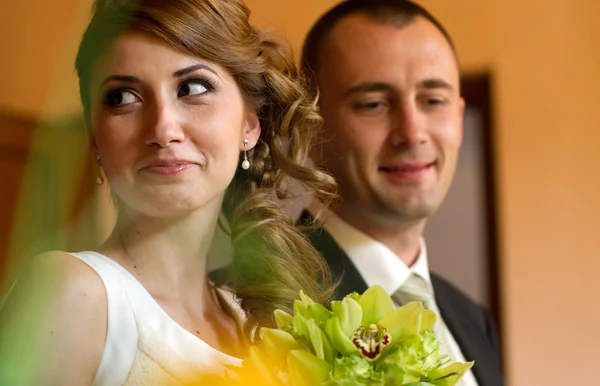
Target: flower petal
[
  {"x": 283, "y": 319},
  {"x": 338, "y": 337},
  {"x": 306, "y": 369},
  {"x": 319, "y": 313},
  {"x": 322, "y": 347},
  {"x": 407, "y": 320},
  {"x": 349, "y": 313},
  {"x": 375, "y": 303},
  {"x": 299, "y": 308},
  {"x": 261, "y": 369},
  {"x": 449, "y": 375},
  {"x": 277, "y": 343}
]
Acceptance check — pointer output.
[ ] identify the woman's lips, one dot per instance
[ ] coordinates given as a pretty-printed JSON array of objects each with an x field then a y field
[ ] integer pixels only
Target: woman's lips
[{"x": 169, "y": 168}]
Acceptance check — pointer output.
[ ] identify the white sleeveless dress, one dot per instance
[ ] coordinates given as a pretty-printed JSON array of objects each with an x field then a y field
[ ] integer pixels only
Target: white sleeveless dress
[{"x": 144, "y": 346}]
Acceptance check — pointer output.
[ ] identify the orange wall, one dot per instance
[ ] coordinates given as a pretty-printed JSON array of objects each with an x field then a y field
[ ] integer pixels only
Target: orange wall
[
  {"x": 545, "y": 57},
  {"x": 38, "y": 42}
]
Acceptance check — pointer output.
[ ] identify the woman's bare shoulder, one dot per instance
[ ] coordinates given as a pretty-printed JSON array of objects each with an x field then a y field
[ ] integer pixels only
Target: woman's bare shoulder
[
  {"x": 61, "y": 278},
  {"x": 55, "y": 320}
]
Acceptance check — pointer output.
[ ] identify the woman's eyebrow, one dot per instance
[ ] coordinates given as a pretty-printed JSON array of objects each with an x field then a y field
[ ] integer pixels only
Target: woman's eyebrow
[{"x": 192, "y": 68}]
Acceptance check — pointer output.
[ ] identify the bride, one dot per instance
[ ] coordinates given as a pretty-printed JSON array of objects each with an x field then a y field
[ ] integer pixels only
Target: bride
[{"x": 188, "y": 107}]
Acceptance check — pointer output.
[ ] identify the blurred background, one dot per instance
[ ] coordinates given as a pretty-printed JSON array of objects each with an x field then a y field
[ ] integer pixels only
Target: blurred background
[{"x": 519, "y": 229}]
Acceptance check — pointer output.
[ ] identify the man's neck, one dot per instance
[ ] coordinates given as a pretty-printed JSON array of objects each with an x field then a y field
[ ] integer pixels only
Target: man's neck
[{"x": 401, "y": 237}]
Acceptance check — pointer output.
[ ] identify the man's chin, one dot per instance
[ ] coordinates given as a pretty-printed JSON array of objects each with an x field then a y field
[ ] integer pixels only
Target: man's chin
[{"x": 409, "y": 209}]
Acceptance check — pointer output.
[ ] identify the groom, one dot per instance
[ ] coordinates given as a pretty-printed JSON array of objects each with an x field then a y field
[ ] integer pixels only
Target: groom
[{"x": 388, "y": 80}]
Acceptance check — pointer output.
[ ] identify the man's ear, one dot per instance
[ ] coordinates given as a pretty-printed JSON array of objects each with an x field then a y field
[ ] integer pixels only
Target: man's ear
[
  {"x": 461, "y": 107},
  {"x": 251, "y": 131},
  {"x": 316, "y": 149}
]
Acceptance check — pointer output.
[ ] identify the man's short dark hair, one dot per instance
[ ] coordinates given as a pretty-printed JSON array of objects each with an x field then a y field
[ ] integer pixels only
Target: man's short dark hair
[{"x": 399, "y": 13}]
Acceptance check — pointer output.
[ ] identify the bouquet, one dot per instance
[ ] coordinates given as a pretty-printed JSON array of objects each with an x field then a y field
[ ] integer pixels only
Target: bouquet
[{"x": 362, "y": 340}]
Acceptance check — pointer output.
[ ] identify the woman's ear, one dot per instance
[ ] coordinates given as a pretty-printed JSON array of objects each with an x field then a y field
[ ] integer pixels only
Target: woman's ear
[
  {"x": 251, "y": 131},
  {"x": 94, "y": 147}
]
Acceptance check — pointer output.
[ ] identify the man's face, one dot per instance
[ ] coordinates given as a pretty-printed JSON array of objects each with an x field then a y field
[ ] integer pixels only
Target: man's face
[{"x": 392, "y": 117}]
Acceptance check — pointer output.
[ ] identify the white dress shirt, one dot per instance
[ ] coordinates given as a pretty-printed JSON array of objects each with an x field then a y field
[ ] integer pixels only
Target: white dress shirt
[{"x": 378, "y": 265}]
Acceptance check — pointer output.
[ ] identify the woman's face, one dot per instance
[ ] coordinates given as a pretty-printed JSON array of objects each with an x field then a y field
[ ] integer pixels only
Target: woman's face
[{"x": 169, "y": 127}]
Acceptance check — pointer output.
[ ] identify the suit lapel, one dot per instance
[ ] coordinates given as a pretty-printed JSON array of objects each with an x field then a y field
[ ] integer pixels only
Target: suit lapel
[
  {"x": 470, "y": 336},
  {"x": 460, "y": 320},
  {"x": 340, "y": 265}
]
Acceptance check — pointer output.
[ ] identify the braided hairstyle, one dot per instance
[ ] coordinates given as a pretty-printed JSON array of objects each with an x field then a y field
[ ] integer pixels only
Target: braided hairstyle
[{"x": 272, "y": 260}]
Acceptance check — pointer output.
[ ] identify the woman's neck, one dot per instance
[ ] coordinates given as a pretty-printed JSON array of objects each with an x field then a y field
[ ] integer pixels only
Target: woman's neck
[{"x": 166, "y": 254}]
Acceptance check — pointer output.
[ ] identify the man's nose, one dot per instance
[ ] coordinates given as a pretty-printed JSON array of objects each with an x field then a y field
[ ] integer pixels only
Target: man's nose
[{"x": 408, "y": 126}]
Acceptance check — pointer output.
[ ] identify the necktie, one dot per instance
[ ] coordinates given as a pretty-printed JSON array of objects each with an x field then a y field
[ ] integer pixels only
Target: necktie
[{"x": 416, "y": 289}]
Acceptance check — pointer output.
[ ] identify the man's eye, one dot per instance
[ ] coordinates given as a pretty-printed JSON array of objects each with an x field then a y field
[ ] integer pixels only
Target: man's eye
[
  {"x": 192, "y": 88},
  {"x": 120, "y": 98},
  {"x": 435, "y": 101},
  {"x": 369, "y": 105}
]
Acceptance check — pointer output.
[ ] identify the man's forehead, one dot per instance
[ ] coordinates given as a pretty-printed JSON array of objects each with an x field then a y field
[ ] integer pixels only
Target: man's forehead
[
  {"x": 362, "y": 31},
  {"x": 361, "y": 49},
  {"x": 351, "y": 27}
]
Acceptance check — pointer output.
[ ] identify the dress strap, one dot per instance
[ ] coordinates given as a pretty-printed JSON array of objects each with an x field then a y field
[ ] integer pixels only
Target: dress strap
[{"x": 122, "y": 334}]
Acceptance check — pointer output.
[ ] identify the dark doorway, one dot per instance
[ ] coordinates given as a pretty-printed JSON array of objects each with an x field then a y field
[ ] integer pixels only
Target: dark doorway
[{"x": 462, "y": 237}]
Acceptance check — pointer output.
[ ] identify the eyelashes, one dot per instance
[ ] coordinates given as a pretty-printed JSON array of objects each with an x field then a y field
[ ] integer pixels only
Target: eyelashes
[
  {"x": 191, "y": 87},
  {"x": 119, "y": 97},
  {"x": 194, "y": 85}
]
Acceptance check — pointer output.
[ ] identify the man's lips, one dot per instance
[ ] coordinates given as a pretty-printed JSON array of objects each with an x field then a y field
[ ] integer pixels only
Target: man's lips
[
  {"x": 407, "y": 171},
  {"x": 406, "y": 166}
]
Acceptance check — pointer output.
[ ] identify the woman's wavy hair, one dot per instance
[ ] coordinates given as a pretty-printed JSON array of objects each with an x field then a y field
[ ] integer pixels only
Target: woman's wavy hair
[{"x": 272, "y": 259}]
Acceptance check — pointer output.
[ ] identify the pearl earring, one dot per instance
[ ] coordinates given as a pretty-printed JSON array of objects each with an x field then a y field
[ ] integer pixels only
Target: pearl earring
[
  {"x": 245, "y": 162},
  {"x": 99, "y": 179}
]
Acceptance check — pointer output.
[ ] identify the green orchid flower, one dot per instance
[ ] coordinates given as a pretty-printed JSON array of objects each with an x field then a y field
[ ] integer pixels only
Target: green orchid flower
[
  {"x": 362, "y": 340},
  {"x": 368, "y": 323}
]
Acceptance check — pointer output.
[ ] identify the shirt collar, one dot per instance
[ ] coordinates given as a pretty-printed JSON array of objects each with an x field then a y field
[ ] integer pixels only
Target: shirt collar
[{"x": 375, "y": 262}]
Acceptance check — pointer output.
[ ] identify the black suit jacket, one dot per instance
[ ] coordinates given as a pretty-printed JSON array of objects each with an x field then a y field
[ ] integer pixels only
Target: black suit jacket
[{"x": 469, "y": 323}]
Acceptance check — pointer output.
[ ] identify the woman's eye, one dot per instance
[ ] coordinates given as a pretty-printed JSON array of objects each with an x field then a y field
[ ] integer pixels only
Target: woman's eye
[
  {"x": 191, "y": 89},
  {"x": 120, "y": 98}
]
